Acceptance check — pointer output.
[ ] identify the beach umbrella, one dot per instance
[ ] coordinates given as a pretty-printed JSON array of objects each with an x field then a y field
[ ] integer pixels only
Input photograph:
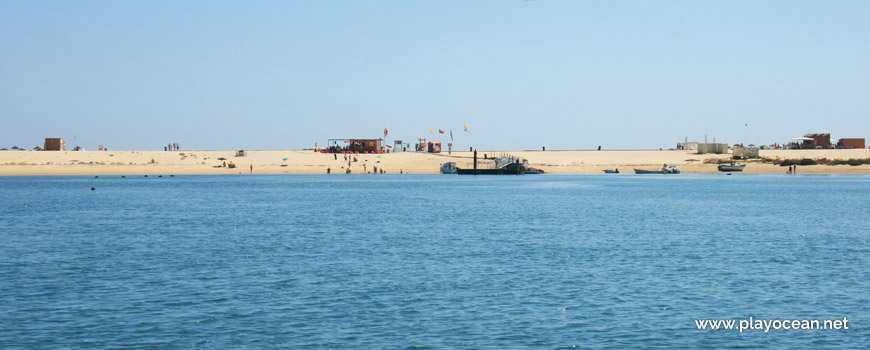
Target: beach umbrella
[
  {"x": 222, "y": 158},
  {"x": 286, "y": 158},
  {"x": 380, "y": 156}
]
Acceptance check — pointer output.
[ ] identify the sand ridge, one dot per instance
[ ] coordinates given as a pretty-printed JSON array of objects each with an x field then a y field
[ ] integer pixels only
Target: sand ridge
[{"x": 310, "y": 162}]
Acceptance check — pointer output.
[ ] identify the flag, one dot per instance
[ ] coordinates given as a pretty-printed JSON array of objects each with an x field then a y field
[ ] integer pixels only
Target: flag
[
  {"x": 466, "y": 127},
  {"x": 431, "y": 132},
  {"x": 451, "y": 135},
  {"x": 441, "y": 131},
  {"x": 385, "y": 131}
]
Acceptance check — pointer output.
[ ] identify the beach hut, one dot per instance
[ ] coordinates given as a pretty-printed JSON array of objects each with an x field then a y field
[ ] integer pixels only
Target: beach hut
[
  {"x": 241, "y": 153},
  {"x": 851, "y": 143},
  {"x": 355, "y": 145},
  {"x": 744, "y": 152},
  {"x": 716, "y": 148},
  {"x": 434, "y": 146},
  {"x": 54, "y": 144},
  {"x": 820, "y": 140}
]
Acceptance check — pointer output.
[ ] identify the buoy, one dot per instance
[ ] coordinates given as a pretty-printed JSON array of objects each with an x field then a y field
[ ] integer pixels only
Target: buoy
[{"x": 93, "y": 188}]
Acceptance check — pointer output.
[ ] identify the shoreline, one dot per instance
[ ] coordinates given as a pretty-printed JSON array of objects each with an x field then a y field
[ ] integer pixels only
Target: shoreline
[{"x": 24, "y": 163}]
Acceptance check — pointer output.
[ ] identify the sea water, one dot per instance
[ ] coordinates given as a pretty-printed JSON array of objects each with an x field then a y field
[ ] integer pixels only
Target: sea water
[{"x": 428, "y": 261}]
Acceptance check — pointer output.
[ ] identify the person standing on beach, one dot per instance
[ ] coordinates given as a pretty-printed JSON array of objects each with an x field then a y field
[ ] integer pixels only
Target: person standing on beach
[{"x": 252, "y": 168}]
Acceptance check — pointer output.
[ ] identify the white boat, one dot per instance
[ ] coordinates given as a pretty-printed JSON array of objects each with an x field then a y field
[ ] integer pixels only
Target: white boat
[
  {"x": 667, "y": 169},
  {"x": 449, "y": 168},
  {"x": 731, "y": 168}
]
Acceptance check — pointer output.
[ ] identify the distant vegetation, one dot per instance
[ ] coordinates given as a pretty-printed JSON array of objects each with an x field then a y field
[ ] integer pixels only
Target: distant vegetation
[
  {"x": 820, "y": 161},
  {"x": 718, "y": 161}
]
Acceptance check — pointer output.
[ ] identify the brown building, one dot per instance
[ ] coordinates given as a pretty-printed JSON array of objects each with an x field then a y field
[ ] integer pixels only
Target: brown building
[
  {"x": 851, "y": 143},
  {"x": 54, "y": 144},
  {"x": 820, "y": 140},
  {"x": 434, "y": 146},
  {"x": 355, "y": 145}
]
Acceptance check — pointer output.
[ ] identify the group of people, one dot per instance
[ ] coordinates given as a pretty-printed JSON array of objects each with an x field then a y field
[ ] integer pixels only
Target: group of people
[
  {"x": 792, "y": 169},
  {"x": 350, "y": 160},
  {"x": 172, "y": 147}
]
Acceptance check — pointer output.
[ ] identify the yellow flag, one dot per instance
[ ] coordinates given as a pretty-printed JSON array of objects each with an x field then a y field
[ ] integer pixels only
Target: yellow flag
[{"x": 431, "y": 132}]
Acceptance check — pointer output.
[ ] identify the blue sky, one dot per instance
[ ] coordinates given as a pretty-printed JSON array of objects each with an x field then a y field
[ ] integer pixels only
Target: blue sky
[{"x": 521, "y": 74}]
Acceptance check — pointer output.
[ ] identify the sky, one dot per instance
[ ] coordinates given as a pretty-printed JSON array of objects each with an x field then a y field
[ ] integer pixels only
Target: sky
[{"x": 223, "y": 75}]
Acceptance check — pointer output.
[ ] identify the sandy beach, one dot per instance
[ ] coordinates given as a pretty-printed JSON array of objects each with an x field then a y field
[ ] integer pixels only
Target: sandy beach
[{"x": 310, "y": 162}]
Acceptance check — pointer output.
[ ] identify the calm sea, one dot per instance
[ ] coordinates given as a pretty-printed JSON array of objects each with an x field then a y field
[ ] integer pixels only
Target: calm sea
[{"x": 427, "y": 262}]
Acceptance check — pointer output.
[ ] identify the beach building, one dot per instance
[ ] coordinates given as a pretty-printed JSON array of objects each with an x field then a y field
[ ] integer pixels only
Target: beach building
[
  {"x": 434, "y": 146},
  {"x": 355, "y": 146},
  {"x": 716, "y": 148},
  {"x": 54, "y": 144},
  {"x": 851, "y": 143},
  {"x": 687, "y": 146},
  {"x": 819, "y": 140},
  {"x": 744, "y": 152}
]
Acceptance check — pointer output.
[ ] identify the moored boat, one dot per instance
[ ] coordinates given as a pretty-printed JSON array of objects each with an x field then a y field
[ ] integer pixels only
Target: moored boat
[
  {"x": 731, "y": 168},
  {"x": 666, "y": 169},
  {"x": 449, "y": 168},
  {"x": 504, "y": 165},
  {"x": 611, "y": 171}
]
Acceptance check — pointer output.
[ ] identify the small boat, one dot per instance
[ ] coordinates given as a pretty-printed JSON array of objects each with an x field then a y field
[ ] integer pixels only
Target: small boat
[
  {"x": 667, "y": 169},
  {"x": 449, "y": 168},
  {"x": 729, "y": 168},
  {"x": 611, "y": 171}
]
